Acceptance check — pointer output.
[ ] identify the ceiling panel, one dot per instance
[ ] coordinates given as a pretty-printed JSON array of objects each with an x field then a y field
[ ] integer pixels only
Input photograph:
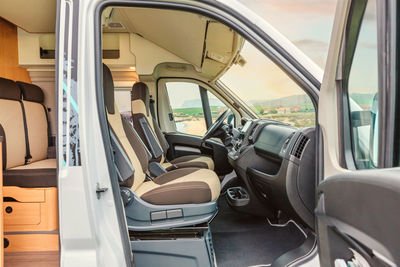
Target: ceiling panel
[
  {"x": 35, "y": 16},
  {"x": 186, "y": 40}
]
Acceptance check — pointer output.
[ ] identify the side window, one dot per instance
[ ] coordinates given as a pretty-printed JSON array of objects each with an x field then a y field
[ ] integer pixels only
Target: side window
[
  {"x": 362, "y": 91},
  {"x": 194, "y": 108},
  {"x": 187, "y": 107}
]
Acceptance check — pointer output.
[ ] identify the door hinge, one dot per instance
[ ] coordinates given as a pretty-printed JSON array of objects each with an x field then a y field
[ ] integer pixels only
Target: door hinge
[{"x": 100, "y": 190}]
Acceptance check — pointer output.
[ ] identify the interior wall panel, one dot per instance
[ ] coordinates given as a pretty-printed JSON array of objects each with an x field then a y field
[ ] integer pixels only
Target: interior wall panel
[{"x": 9, "y": 67}]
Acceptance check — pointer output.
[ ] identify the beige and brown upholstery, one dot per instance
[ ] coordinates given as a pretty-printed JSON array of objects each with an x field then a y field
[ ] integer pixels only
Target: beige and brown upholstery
[
  {"x": 183, "y": 186},
  {"x": 23, "y": 123},
  {"x": 36, "y": 121},
  {"x": 12, "y": 126},
  {"x": 141, "y": 110}
]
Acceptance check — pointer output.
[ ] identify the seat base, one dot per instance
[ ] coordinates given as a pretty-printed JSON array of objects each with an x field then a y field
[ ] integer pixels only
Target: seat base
[
  {"x": 190, "y": 161},
  {"x": 41, "y": 173},
  {"x": 30, "y": 178},
  {"x": 185, "y": 248},
  {"x": 143, "y": 216}
]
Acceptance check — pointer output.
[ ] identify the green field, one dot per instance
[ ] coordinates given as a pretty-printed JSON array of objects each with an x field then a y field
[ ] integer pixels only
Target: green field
[
  {"x": 304, "y": 118},
  {"x": 298, "y": 119},
  {"x": 195, "y": 112}
]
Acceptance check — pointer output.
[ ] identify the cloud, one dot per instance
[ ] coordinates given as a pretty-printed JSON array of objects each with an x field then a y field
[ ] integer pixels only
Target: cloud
[
  {"x": 296, "y": 6},
  {"x": 368, "y": 45},
  {"x": 311, "y": 44}
]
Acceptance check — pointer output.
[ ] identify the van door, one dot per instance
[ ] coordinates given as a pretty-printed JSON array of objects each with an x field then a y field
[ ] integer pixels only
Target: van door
[
  {"x": 93, "y": 227},
  {"x": 358, "y": 211}
]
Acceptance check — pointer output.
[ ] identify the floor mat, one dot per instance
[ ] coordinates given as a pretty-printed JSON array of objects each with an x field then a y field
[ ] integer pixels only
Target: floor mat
[{"x": 245, "y": 240}]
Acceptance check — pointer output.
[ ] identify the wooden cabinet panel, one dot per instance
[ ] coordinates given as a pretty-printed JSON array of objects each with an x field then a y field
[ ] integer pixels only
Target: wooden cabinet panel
[
  {"x": 21, "y": 213},
  {"x": 31, "y": 242},
  {"x": 9, "y": 67}
]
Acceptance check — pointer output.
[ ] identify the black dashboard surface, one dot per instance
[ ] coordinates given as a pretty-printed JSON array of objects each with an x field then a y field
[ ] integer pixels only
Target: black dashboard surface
[{"x": 272, "y": 140}]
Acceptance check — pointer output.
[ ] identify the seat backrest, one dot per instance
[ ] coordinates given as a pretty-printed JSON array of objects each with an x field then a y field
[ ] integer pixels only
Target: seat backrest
[
  {"x": 124, "y": 133},
  {"x": 12, "y": 124},
  {"x": 36, "y": 120},
  {"x": 144, "y": 123}
]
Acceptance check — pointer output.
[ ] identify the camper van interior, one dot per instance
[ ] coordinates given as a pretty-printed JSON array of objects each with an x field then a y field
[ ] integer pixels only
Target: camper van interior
[
  {"x": 213, "y": 144},
  {"x": 201, "y": 155}
]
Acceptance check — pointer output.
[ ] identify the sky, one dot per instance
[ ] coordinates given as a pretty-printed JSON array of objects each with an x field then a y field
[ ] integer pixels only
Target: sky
[{"x": 306, "y": 23}]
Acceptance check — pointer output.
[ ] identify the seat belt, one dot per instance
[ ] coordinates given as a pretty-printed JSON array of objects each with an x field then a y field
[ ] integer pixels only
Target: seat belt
[
  {"x": 49, "y": 138},
  {"x": 28, "y": 156},
  {"x": 154, "y": 146},
  {"x": 151, "y": 106}
]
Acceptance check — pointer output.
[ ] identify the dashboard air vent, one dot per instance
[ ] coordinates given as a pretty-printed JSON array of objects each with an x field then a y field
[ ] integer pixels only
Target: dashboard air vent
[{"x": 298, "y": 148}]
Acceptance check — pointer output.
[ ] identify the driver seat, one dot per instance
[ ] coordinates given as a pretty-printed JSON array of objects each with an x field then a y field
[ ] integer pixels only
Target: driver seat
[{"x": 152, "y": 136}]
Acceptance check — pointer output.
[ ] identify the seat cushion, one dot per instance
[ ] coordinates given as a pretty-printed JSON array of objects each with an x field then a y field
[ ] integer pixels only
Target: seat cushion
[
  {"x": 38, "y": 174},
  {"x": 195, "y": 161},
  {"x": 181, "y": 186},
  {"x": 41, "y": 164}
]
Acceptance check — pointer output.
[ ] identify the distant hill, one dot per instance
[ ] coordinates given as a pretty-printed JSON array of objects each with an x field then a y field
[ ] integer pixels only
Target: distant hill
[
  {"x": 196, "y": 103},
  {"x": 288, "y": 101},
  {"x": 304, "y": 100}
]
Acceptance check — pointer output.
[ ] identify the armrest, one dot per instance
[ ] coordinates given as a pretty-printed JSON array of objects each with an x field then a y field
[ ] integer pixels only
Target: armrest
[{"x": 156, "y": 169}]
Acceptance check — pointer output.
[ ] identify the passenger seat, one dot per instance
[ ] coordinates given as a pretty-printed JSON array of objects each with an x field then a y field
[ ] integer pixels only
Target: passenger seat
[
  {"x": 185, "y": 186},
  {"x": 24, "y": 125},
  {"x": 151, "y": 134}
]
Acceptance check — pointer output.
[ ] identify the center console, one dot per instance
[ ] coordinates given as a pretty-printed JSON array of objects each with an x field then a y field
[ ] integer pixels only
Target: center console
[
  {"x": 275, "y": 163},
  {"x": 245, "y": 137}
]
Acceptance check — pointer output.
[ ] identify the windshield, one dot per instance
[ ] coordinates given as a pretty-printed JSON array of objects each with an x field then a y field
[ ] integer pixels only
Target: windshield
[
  {"x": 306, "y": 23},
  {"x": 267, "y": 90}
]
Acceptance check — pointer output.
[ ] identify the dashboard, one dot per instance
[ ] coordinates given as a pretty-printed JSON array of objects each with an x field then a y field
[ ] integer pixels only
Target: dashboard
[{"x": 276, "y": 163}]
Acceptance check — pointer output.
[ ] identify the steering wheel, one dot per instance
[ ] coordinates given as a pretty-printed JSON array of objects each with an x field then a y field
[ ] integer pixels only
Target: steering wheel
[{"x": 216, "y": 125}]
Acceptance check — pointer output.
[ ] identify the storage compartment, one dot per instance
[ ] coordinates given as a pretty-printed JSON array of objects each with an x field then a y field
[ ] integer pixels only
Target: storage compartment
[
  {"x": 237, "y": 196},
  {"x": 30, "y": 209},
  {"x": 187, "y": 246},
  {"x": 30, "y": 242},
  {"x": 16, "y": 213}
]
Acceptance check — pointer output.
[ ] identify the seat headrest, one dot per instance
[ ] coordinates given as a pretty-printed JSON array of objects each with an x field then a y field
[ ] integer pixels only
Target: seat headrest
[
  {"x": 140, "y": 91},
  {"x": 31, "y": 92},
  {"x": 108, "y": 89},
  {"x": 9, "y": 90}
]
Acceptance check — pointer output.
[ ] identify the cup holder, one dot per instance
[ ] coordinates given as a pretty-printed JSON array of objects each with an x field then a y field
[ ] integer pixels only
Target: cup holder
[{"x": 237, "y": 196}]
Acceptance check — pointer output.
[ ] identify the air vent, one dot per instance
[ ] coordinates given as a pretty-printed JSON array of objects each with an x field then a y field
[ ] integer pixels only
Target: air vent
[
  {"x": 115, "y": 25},
  {"x": 285, "y": 145},
  {"x": 299, "y": 146}
]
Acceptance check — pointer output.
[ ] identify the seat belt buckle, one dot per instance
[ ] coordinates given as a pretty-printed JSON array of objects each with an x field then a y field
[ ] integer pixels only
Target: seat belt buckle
[
  {"x": 28, "y": 159},
  {"x": 149, "y": 177}
]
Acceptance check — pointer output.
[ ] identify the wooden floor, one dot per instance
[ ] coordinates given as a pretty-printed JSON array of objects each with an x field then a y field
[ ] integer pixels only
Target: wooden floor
[{"x": 32, "y": 259}]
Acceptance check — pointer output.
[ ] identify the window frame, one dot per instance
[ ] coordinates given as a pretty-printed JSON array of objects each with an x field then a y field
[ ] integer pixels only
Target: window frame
[{"x": 387, "y": 80}]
